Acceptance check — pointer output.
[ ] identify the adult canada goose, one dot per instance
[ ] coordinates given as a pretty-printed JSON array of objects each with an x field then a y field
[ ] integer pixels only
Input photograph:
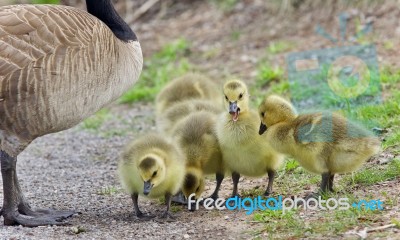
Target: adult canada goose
[
  {"x": 152, "y": 166},
  {"x": 323, "y": 143},
  {"x": 244, "y": 150},
  {"x": 58, "y": 65}
]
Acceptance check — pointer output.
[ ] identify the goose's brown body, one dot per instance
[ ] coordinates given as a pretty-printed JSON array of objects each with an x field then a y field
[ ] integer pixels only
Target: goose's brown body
[{"x": 58, "y": 65}]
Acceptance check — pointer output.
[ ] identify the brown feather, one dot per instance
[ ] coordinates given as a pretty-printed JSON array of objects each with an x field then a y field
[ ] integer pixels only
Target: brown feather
[{"x": 58, "y": 65}]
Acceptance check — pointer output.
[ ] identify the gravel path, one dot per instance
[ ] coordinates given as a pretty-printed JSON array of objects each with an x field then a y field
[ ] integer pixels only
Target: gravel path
[{"x": 76, "y": 169}]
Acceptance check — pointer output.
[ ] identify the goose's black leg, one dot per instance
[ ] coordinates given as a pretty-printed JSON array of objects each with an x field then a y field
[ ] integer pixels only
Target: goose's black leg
[
  {"x": 271, "y": 176},
  {"x": 139, "y": 213},
  {"x": 326, "y": 185},
  {"x": 25, "y": 208},
  {"x": 235, "y": 180},
  {"x": 325, "y": 182},
  {"x": 167, "y": 216},
  {"x": 16, "y": 210},
  {"x": 330, "y": 183},
  {"x": 219, "y": 177}
]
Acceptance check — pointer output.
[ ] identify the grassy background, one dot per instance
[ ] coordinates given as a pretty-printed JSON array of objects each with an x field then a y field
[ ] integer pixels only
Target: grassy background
[
  {"x": 172, "y": 60},
  {"x": 168, "y": 63}
]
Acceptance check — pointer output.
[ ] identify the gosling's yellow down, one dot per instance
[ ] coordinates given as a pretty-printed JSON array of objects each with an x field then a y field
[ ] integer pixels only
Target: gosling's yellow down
[
  {"x": 244, "y": 150},
  {"x": 189, "y": 86},
  {"x": 196, "y": 137},
  {"x": 152, "y": 166},
  {"x": 178, "y": 111},
  {"x": 323, "y": 143}
]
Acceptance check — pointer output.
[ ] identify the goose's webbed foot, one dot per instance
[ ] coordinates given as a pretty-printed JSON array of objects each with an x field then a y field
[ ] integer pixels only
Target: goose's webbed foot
[{"x": 41, "y": 219}]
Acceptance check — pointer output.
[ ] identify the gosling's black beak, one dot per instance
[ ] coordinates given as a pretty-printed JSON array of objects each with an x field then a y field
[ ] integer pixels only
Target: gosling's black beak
[
  {"x": 233, "y": 107},
  {"x": 147, "y": 187},
  {"x": 263, "y": 128}
]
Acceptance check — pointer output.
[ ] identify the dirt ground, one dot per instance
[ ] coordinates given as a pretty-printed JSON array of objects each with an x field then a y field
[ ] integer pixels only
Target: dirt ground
[{"x": 76, "y": 168}]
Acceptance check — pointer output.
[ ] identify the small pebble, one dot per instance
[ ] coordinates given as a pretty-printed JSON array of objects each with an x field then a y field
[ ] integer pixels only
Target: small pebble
[
  {"x": 77, "y": 230},
  {"x": 186, "y": 236}
]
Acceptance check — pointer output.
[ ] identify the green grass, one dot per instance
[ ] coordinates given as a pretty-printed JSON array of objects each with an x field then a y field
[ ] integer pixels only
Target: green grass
[
  {"x": 94, "y": 122},
  {"x": 258, "y": 93},
  {"x": 160, "y": 68},
  {"x": 116, "y": 132},
  {"x": 277, "y": 224},
  {"x": 376, "y": 174},
  {"x": 385, "y": 115},
  {"x": 175, "y": 209},
  {"x": 291, "y": 165},
  {"x": 295, "y": 181},
  {"x": 292, "y": 179},
  {"x": 390, "y": 76},
  {"x": 108, "y": 191},
  {"x": 393, "y": 141},
  {"x": 281, "y": 88},
  {"x": 224, "y": 5},
  {"x": 252, "y": 193},
  {"x": 390, "y": 200},
  {"x": 278, "y": 47},
  {"x": 267, "y": 74},
  {"x": 299, "y": 223},
  {"x": 323, "y": 223},
  {"x": 235, "y": 35},
  {"x": 337, "y": 222},
  {"x": 268, "y": 80},
  {"x": 396, "y": 222},
  {"x": 388, "y": 45}
]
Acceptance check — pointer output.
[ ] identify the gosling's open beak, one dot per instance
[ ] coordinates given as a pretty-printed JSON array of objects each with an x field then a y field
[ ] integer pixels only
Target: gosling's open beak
[
  {"x": 263, "y": 128},
  {"x": 234, "y": 111},
  {"x": 147, "y": 187}
]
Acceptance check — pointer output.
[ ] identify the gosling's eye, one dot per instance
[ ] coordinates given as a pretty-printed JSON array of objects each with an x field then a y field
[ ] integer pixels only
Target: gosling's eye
[
  {"x": 262, "y": 114},
  {"x": 226, "y": 98},
  {"x": 154, "y": 173},
  {"x": 240, "y": 96}
]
